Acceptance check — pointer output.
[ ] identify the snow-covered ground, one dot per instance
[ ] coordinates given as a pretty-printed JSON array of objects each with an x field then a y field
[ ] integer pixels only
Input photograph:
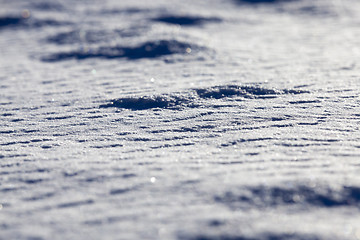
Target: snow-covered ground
[{"x": 189, "y": 120}]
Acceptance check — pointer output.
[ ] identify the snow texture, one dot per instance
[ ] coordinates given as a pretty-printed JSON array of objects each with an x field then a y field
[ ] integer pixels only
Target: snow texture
[{"x": 184, "y": 120}]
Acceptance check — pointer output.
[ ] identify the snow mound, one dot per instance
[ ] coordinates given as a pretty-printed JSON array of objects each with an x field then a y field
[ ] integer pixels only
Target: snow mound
[
  {"x": 15, "y": 22},
  {"x": 186, "y": 20},
  {"x": 193, "y": 97},
  {"x": 92, "y": 36},
  {"x": 150, "y": 49},
  {"x": 262, "y": 1},
  {"x": 298, "y": 195}
]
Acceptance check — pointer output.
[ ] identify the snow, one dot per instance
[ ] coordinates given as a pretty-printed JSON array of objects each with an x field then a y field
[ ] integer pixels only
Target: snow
[{"x": 216, "y": 119}]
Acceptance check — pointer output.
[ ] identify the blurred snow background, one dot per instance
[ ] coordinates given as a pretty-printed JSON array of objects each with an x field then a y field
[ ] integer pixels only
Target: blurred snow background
[{"x": 213, "y": 119}]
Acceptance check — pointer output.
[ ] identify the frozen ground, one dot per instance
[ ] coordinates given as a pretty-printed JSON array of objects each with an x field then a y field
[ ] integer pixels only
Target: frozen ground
[{"x": 189, "y": 120}]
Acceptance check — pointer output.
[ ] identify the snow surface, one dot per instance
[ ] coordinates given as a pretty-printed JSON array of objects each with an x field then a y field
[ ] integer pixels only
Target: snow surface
[{"x": 189, "y": 120}]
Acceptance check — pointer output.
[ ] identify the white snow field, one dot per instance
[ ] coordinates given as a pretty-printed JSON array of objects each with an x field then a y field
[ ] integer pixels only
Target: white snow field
[{"x": 184, "y": 120}]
